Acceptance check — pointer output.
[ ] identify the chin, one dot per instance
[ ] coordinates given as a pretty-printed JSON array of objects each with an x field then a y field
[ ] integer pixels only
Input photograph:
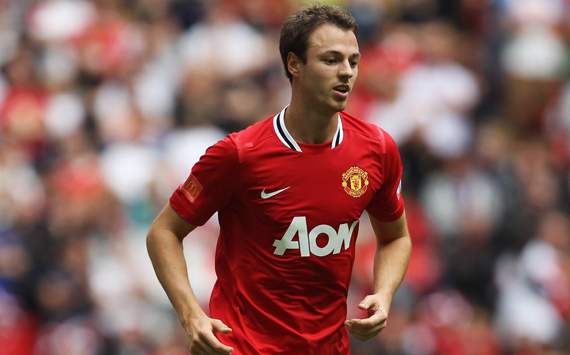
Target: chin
[
  {"x": 339, "y": 106},
  {"x": 333, "y": 106}
]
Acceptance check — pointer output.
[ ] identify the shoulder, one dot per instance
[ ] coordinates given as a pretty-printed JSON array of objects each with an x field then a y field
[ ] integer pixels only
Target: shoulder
[
  {"x": 252, "y": 136},
  {"x": 369, "y": 132}
]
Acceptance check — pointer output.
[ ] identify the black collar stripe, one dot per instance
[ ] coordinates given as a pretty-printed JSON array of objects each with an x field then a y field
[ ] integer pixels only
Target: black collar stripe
[
  {"x": 338, "y": 135},
  {"x": 287, "y": 135},
  {"x": 287, "y": 139},
  {"x": 279, "y": 133}
]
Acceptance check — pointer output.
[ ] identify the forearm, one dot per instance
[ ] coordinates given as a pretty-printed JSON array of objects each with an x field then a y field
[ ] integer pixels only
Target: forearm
[
  {"x": 166, "y": 252},
  {"x": 390, "y": 264}
]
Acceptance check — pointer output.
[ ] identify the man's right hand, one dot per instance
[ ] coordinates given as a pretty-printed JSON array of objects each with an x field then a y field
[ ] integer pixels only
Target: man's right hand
[{"x": 201, "y": 332}]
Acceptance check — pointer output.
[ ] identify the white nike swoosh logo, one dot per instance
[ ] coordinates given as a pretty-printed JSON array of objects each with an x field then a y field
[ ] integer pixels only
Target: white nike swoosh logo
[{"x": 266, "y": 195}]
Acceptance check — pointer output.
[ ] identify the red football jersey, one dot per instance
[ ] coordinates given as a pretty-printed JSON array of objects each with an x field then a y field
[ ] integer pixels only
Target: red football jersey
[{"x": 288, "y": 217}]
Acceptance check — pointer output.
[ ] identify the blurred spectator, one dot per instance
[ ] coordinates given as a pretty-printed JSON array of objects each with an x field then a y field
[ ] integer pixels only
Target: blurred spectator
[
  {"x": 433, "y": 97},
  {"x": 533, "y": 60},
  {"x": 222, "y": 41},
  {"x": 24, "y": 103},
  {"x": 22, "y": 195},
  {"x": 537, "y": 281},
  {"x": 383, "y": 63}
]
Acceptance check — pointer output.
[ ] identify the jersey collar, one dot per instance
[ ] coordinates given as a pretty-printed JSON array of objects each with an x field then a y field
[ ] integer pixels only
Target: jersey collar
[{"x": 287, "y": 139}]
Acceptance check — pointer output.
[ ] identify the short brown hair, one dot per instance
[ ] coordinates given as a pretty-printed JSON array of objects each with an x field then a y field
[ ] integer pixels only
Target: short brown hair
[{"x": 299, "y": 26}]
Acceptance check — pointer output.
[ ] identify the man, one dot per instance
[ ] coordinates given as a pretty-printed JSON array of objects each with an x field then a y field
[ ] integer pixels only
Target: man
[{"x": 289, "y": 192}]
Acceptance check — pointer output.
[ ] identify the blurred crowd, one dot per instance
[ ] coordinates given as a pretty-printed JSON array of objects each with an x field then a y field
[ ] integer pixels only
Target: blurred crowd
[{"x": 106, "y": 104}]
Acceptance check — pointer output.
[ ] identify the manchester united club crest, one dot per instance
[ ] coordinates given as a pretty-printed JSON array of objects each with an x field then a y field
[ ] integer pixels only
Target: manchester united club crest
[{"x": 355, "y": 181}]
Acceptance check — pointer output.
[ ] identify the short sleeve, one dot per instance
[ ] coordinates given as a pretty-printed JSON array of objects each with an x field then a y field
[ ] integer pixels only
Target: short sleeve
[
  {"x": 210, "y": 185},
  {"x": 387, "y": 205}
]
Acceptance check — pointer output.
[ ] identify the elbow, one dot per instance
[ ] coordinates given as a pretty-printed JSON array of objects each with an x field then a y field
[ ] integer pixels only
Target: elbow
[
  {"x": 403, "y": 242},
  {"x": 409, "y": 242},
  {"x": 406, "y": 239},
  {"x": 151, "y": 240},
  {"x": 158, "y": 236}
]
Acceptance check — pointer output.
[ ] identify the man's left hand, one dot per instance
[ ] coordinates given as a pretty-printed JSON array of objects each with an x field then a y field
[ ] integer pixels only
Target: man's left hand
[{"x": 367, "y": 328}]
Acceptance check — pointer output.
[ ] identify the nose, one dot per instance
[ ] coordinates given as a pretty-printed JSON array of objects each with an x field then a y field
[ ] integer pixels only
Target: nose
[{"x": 346, "y": 71}]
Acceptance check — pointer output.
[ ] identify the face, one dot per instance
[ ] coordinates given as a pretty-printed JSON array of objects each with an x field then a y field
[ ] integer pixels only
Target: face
[{"x": 330, "y": 70}]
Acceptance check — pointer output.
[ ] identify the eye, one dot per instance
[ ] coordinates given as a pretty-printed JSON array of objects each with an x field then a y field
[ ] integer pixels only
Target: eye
[{"x": 329, "y": 61}]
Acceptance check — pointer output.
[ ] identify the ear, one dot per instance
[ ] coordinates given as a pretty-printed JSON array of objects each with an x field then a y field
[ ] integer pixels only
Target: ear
[{"x": 293, "y": 64}]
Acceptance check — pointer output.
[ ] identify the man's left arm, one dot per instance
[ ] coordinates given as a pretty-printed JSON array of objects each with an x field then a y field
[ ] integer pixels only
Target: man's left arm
[{"x": 393, "y": 250}]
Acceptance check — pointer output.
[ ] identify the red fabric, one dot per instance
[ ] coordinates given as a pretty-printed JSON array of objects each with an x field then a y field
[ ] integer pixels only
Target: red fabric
[
  {"x": 22, "y": 117},
  {"x": 79, "y": 180},
  {"x": 107, "y": 45},
  {"x": 18, "y": 337},
  {"x": 424, "y": 269},
  {"x": 471, "y": 339},
  {"x": 388, "y": 204},
  {"x": 293, "y": 301},
  {"x": 18, "y": 99}
]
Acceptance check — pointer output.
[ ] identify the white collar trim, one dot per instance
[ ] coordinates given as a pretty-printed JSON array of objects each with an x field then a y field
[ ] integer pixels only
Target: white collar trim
[{"x": 287, "y": 139}]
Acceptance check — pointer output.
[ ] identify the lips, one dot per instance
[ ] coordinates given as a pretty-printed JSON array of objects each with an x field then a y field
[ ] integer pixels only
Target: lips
[
  {"x": 340, "y": 92},
  {"x": 342, "y": 88}
]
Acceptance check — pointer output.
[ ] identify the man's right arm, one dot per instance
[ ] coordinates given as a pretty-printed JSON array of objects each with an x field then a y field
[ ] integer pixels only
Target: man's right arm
[{"x": 164, "y": 245}]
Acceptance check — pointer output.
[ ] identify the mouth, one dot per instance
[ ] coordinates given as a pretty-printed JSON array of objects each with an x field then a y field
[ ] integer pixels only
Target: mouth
[{"x": 342, "y": 90}]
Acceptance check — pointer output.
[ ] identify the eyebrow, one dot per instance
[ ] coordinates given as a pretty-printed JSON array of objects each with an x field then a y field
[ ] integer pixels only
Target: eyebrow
[{"x": 333, "y": 52}]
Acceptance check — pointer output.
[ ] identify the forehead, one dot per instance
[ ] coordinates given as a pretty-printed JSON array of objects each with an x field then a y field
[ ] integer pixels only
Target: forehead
[{"x": 329, "y": 37}]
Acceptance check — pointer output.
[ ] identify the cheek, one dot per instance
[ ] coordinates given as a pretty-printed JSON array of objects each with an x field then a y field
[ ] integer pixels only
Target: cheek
[
  {"x": 315, "y": 80},
  {"x": 324, "y": 77},
  {"x": 318, "y": 79}
]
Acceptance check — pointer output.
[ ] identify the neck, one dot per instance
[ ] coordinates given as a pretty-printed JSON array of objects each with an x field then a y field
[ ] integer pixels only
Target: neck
[{"x": 309, "y": 125}]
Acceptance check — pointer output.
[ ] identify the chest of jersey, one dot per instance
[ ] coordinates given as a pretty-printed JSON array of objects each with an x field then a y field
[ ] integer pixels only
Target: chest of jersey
[{"x": 328, "y": 187}]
